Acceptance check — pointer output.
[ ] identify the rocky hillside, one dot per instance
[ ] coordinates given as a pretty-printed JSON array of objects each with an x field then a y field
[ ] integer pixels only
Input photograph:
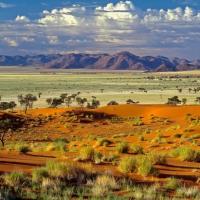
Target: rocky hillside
[{"x": 118, "y": 61}]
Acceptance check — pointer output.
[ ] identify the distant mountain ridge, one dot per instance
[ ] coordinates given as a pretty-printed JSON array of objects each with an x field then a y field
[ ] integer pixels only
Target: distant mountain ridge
[{"x": 119, "y": 61}]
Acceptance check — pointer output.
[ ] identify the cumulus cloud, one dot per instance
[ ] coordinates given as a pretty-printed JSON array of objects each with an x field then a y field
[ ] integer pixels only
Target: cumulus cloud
[
  {"x": 121, "y": 12},
  {"x": 112, "y": 27},
  {"x": 120, "y": 6},
  {"x": 22, "y": 19},
  {"x": 63, "y": 17},
  {"x": 172, "y": 15}
]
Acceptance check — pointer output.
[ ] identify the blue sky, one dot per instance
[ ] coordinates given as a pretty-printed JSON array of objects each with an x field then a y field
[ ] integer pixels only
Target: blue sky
[
  {"x": 153, "y": 27},
  {"x": 33, "y": 8}
]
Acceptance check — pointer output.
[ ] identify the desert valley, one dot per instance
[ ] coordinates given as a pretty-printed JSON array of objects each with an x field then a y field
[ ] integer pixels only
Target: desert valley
[
  {"x": 137, "y": 138},
  {"x": 99, "y": 100}
]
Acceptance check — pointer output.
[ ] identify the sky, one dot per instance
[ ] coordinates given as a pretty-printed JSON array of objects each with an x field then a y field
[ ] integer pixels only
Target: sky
[{"x": 144, "y": 27}]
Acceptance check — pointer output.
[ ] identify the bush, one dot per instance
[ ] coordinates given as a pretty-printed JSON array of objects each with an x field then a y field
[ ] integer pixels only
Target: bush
[
  {"x": 136, "y": 149},
  {"x": 38, "y": 174},
  {"x": 145, "y": 166},
  {"x": 188, "y": 193},
  {"x": 56, "y": 169},
  {"x": 110, "y": 157},
  {"x": 23, "y": 149},
  {"x": 66, "y": 171},
  {"x": 104, "y": 184},
  {"x": 14, "y": 179},
  {"x": 172, "y": 184},
  {"x": 98, "y": 157},
  {"x": 157, "y": 158},
  {"x": 60, "y": 145},
  {"x": 186, "y": 154},
  {"x": 86, "y": 154},
  {"x": 127, "y": 165},
  {"x": 122, "y": 147},
  {"x": 52, "y": 186}
]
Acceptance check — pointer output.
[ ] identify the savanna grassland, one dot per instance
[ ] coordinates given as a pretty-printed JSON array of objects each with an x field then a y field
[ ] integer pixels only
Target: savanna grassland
[
  {"x": 138, "y": 149},
  {"x": 147, "y": 88}
]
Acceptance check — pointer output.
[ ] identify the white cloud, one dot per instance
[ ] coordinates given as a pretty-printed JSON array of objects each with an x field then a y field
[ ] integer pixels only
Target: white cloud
[
  {"x": 63, "y": 17},
  {"x": 120, "y": 6},
  {"x": 5, "y": 5},
  {"x": 22, "y": 19},
  {"x": 172, "y": 15},
  {"x": 113, "y": 27},
  {"x": 121, "y": 12}
]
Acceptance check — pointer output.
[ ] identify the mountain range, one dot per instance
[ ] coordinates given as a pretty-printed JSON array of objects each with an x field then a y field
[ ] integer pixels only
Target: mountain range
[{"x": 118, "y": 61}]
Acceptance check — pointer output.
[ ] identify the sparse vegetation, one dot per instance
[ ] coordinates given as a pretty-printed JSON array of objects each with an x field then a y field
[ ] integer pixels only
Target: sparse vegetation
[
  {"x": 103, "y": 185},
  {"x": 86, "y": 154},
  {"x": 123, "y": 147},
  {"x": 186, "y": 154},
  {"x": 128, "y": 165},
  {"x": 145, "y": 166},
  {"x": 101, "y": 153},
  {"x": 14, "y": 179},
  {"x": 136, "y": 149},
  {"x": 172, "y": 184}
]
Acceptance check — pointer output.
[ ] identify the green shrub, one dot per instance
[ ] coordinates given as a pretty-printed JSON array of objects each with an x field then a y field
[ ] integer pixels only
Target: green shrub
[
  {"x": 157, "y": 158},
  {"x": 110, "y": 157},
  {"x": 127, "y": 165},
  {"x": 60, "y": 171},
  {"x": 98, "y": 157},
  {"x": 188, "y": 193},
  {"x": 86, "y": 154},
  {"x": 38, "y": 174},
  {"x": 123, "y": 147},
  {"x": 186, "y": 154},
  {"x": 23, "y": 149},
  {"x": 60, "y": 145},
  {"x": 136, "y": 149},
  {"x": 172, "y": 184},
  {"x": 103, "y": 185},
  {"x": 56, "y": 169},
  {"x": 14, "y": 179},
  {"x": 145, "y": 166}
]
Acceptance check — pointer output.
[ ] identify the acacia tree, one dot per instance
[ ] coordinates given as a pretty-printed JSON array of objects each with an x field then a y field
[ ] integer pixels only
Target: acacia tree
[
  {"x": 7, "y": 105},
  {"x": 174, "y": 100},
  {"x": 94, "y": 104},
  {"x": 63, "y": 96},
  {"x": 81, "y": 101},
  {"x": 49, "y": 101},
  {"x": 197, "y": 100},
  {"x": 184, "y": 101},
  {"x": 39, "y": 94},
  {"x": 68, "y": 101},
  {"x": 54, "y": 102},
  {"x": 27, "y": 101},
  {"x": 112, "y": 103},
  {"x": 5, "y": 125}
]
